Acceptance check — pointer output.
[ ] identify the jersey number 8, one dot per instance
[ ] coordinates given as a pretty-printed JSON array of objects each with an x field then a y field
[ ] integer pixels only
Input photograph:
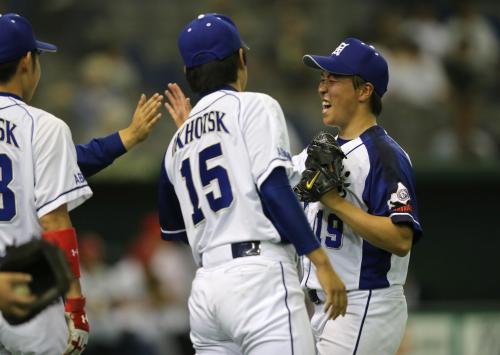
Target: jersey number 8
[
  {"x": 207, "y": 175},
  {"x": 7, "y": 198}
]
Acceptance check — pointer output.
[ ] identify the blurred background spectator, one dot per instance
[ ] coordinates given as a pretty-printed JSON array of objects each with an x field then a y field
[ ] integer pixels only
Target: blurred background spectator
[
  {"x": 137, "y": 304},
  {"x": 444, "y": 59}
]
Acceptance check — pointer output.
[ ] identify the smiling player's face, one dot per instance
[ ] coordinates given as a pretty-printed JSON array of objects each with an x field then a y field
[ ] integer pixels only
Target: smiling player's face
[{"x": 338, "y": 99}]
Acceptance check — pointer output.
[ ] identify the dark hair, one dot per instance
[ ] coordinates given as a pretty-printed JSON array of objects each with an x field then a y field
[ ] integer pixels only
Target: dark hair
[
  {"x": 375, "y": 100},
  {"x": 214, "y": 74},
  {"x": 8, "y": 70}
]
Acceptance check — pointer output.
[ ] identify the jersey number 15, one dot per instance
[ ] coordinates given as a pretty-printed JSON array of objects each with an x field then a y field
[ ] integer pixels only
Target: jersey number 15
[{"x": 207, "y": 175}]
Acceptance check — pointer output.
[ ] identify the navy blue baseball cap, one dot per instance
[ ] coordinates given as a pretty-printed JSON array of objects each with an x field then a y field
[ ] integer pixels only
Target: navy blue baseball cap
[
  {"x": 17, "y": 38},
  {"x": 353, "y": 57},
  {"x": 207, "y": 38}
]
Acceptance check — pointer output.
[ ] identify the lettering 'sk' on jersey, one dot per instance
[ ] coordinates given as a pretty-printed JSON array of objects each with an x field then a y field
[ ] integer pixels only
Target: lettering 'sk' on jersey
[{"x": 38, "y": 170}]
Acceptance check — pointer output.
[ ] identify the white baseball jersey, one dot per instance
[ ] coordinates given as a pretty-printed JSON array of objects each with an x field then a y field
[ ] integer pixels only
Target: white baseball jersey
[
  {"x": 209, "y": 188},
  {"x": 381, "y": 183},
  {"x": 38, "y": 170},
  {"x": 217, "y": 161}
]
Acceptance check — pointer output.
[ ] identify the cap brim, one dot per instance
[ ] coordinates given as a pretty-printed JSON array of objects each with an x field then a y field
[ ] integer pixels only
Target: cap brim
[
  {"x": 45, "y": 47},
  {"x": 244, "y": 45},
  {"x": 328, "y": 64}
]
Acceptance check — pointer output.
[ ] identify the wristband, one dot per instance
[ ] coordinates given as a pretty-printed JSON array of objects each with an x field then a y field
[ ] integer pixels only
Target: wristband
[
  {"x": 65, "y": 239},
  {"x": 74, "y": 304}
]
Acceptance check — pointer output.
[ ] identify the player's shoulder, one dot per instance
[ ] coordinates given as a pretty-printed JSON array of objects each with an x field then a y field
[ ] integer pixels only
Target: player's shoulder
[
  {"x": 258, "y": 98},
  {"x": 40, "y": 115},
  {"x": 46, "y": 123},
  {"x": 383, "y": 148},
  {"x": 256, "y": 103}
]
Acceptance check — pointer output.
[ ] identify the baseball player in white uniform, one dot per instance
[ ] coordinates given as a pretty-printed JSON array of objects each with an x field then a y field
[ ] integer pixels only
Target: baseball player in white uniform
[
  {"x": 39, "y": 183},
  {"x": 223, "y": 182},
  {"x": 368, "y": 230}
]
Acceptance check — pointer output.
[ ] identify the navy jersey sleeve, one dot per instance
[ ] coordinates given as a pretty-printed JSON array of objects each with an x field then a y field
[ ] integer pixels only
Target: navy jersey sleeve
[
  {"x": 285, "y": 212},
  {"x": 390, "y": 186},
  {"x": 99, "y": 153},
  {"x": 171, "y": 220}
]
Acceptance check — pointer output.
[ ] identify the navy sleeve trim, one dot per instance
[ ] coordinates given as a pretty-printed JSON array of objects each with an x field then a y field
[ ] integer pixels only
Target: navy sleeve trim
[
  {"x": 178, "y": 236},
  {"x": 286, "y": 213},
  {"x": 171, "y": 219},
  {"x": 64, "y": 193},
  {"x": 99, "y": 153}
]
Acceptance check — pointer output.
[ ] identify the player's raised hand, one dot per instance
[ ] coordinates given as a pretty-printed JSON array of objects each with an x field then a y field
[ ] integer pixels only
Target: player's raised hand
[
  {"x": 178, "y": 105},
  {"x": 146, "y": 115},
  {"x": 15, "y": 297},
  {"x": 332, "y": 285}
]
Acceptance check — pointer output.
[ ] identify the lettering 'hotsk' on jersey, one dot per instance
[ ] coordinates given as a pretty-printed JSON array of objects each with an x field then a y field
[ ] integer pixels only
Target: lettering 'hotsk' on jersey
[
  {"x": 38, "y": 170},
  {"x": 381, "y": 183},
  {"x": 197, "y": 126},
  {"x": 216, "y": 163}
]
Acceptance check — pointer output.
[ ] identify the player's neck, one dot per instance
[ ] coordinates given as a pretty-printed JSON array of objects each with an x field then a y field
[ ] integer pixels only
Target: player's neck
[
  {"x": 12, "y": 87},
  {"x": 236, "y": 86},
  {"x": 357, "y": 126}
]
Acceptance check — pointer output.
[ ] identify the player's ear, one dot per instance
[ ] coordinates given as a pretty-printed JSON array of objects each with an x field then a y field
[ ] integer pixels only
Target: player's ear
[
  {"x": 242, "y": 58},
  {"x": 25, "y": 62},
  {"x": 365, "y": 92}
]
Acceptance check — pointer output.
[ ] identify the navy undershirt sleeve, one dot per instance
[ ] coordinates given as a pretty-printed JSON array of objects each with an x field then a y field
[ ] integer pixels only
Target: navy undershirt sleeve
[
  {"x": 171, "y": 221},
  {"x": 285, "y": 212},
  {"x": 99, "y": 153}
]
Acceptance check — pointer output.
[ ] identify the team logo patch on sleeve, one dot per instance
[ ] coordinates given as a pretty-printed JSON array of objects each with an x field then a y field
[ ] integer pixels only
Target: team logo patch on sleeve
[{"x": 399, "y": 201}]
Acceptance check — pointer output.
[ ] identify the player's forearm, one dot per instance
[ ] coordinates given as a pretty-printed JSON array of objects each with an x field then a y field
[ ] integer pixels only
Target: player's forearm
[
  {"x": 99, "y": 153},
  {"x": 59, "y": 232},
  {"x": 319, "y": 258},
  {"x": 379, "y": 231},
  {"x": 75, "y": 289},
  {"x": 128, "y": 137},
  {"x": 56, "y": 220}
]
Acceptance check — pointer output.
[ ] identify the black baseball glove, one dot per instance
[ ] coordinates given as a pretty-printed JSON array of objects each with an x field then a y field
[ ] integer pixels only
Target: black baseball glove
[
  {"x": 324, "y": 169},
  {"x": 49, "y": 270}
]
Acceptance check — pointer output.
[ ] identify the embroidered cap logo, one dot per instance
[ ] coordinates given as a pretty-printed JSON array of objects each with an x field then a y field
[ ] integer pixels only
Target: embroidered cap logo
[{"x": 340, "y": 48}]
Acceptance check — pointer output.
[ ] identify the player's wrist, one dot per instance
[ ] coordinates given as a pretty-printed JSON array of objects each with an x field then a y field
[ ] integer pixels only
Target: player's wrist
[
  {"x": 128, "y": 138},
  {"x": 74, "y": 304},
  {"x": 319, "y": 258},
  {"x": 331, "y": 199}
]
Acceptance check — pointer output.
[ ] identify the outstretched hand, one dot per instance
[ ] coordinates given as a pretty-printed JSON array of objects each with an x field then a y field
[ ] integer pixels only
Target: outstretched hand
[
  {"x": 178, "y": 105},
  {"x": 146, "y": 115}
]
